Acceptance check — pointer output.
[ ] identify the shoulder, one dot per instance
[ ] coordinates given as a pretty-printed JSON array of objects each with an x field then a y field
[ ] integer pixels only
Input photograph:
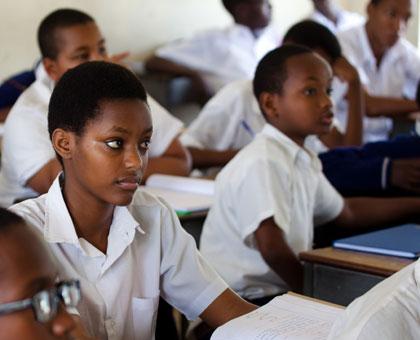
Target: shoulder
[
  {"x": 145, "y": 205},
  {"x": 350, "y": 36},
  {"x": 32, "y": 211}
]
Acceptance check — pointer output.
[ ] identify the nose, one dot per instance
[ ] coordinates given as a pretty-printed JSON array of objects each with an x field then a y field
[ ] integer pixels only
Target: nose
[
  {"x": 326, "y": 101},
  {"x": 133, "y": 159},
  {"x": 63, "y": 323}
]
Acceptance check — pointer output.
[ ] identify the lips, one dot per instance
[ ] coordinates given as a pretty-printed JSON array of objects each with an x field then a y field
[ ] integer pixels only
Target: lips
[
  {"x": 129, "y": 183},
  {"x": 327, "y": 118}
]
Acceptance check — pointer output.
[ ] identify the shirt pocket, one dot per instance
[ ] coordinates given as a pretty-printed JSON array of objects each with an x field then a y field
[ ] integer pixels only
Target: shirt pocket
[{"x": 144, "y": 317}]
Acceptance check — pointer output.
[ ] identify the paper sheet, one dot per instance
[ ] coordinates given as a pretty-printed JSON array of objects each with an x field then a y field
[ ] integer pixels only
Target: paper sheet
[{"x": 285, "y": 317}]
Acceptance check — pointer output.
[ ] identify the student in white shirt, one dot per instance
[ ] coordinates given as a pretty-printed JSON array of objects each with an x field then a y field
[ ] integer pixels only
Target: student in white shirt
[
  {"x": 28, "y": 271},
  {"x": 214, "y": 58},
  {"x": 390, "y": 310},
  {"x": 126, "y": 247},
  {"x": 230, "y": 120},
  {"x": 329, "y": 14},
  {"x": 28, "y": 160},
  {"x": 389, "y": 66},
  {"x": 270, "y": 197}
]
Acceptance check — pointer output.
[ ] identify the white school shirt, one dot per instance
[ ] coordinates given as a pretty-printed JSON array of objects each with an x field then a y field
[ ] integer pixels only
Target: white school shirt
[
  {"x": 232, "y": 118},
  {"x": 345, "y": 20},
  {"x": 271, "y": 177},
  {"x": 222, "y": 55},
  {"x": 390, "y": 310},
  {"x": 26, "y": 145},
  {"x": 149, "y": 254},
  {"x": 396, "y": 77}
]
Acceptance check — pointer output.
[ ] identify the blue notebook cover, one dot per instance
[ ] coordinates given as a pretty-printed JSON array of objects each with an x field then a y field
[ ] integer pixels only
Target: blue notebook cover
[{"x": 402, "y": 241}]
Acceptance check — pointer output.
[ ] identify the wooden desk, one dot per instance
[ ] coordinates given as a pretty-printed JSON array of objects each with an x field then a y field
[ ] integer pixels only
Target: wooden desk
[{"x": 340, "y": 276}]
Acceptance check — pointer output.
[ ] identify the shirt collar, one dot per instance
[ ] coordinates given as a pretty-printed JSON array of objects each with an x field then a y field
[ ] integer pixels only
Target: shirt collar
[
  {"x": 296, "y": 152},
  {"x": 59, "y": 227},
  {"x": 393, "y": 53}
]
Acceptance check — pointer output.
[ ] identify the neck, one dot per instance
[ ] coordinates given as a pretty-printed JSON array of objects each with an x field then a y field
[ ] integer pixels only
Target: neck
[
  {"x": 92, "y": 219},
  {"x": 377, "y": 47},
  {"x": 298, "y": 138}
]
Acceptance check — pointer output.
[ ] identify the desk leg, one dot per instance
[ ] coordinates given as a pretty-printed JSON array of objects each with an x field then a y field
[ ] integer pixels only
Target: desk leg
[{"x": 308, "y": 281}]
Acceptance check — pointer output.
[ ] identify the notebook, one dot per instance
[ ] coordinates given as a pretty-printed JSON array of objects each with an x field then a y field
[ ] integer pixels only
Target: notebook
[
  {"x": 288, "y": 317},
  {"x": 402, "y": 241},
  {"x": 184, "y": 194}
]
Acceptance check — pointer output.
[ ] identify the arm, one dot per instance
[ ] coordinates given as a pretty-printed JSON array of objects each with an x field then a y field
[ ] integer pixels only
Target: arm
[
  {"x": 159, "y": 64},
  {"x": 389, "y": 107},
  {"x": 373, "y": 212},
  {"x": 204, "y": 158},
  {"x": 278, "y": 254},
  {"x": 226, "y": 307},
  {"x": 42, "y": 180},
  {"x": 354, "y": 133},
  {"x": 3, "y": 113},
  {"x": 176, "y": 160}
]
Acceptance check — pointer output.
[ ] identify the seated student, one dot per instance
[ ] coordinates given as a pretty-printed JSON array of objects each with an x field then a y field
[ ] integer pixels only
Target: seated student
[
  {"x": 230, "y": 120},
  {"x": 11, "y": 89},
  {"x": 66, "y": 39},
  {"x": 271, "y": 195},
  {"x": 125, "y": 246},
  {"x": 329, "y": 14},
  {"x": 390, "y": 310},
  {"x": 389, "y": 66},
  {"x": 32, "y": 303},
  {"x": 217, "y": 57}
]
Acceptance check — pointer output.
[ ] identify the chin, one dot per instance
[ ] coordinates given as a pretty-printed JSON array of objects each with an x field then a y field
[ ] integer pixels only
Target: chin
[{"x": 124, "y": 200}]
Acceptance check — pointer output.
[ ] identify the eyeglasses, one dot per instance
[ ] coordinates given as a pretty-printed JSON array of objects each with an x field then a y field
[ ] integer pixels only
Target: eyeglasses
[{"x": 45, "y": 303}]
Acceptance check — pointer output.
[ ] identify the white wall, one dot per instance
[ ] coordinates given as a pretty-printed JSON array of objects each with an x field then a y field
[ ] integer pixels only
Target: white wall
[{"x": 135, "y": 25}]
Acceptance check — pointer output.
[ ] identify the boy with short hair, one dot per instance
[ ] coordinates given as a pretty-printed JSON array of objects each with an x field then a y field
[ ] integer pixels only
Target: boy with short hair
[
  {"x": 232, "y": 118},
  {"x": 273, "y": 193},
  {"x": 67, "y": 38},
  {"x": 389, "y": 66},
  {"x": 32, "y": 303},
  {"x": 126, "y": 247},
  {"x": 217, "y": 57}
]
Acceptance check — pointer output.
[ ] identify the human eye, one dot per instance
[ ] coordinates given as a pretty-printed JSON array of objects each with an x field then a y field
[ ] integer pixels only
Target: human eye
[
  {"x": 392, "y": 13},
  {"x": 102, "y": 50},
  {"x": 145, "y": 144},
  {"x": 329, "y": 91},
  {"x": 114, "y": 144},
  {"x": 310, "y": 91}
]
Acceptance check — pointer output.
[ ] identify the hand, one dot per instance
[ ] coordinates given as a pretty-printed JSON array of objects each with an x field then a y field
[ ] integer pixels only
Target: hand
[
  {"x": 405, "y": 174},
  {"x": 201, "y": 91},
  {"x": 345, "y": 71}
]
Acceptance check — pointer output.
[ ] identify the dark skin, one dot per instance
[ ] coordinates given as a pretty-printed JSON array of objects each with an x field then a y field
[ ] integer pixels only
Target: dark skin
[
  {"x": 328, "y": 9},
  {"x": 387, "y": 20},
  {"x": 26, "y": 268},
  {"x": 303, "y": 108},
  {"x": 254, "y": 14},
  {"x": 117, "y": 140}
]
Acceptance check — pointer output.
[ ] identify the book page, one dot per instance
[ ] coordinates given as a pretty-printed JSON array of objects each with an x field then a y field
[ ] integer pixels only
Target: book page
[
  {"x": 179, "y": 183},
  {"x": 285, "y": 317}
]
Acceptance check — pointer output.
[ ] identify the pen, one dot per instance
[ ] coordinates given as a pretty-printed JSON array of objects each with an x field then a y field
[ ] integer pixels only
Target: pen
[{"x": 247, "y": 128}]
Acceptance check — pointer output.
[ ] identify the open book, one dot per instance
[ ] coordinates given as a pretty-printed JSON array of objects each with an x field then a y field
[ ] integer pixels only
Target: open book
[
  {"x": 285, "y": 317},
  {"x": 184, "y": 194}
]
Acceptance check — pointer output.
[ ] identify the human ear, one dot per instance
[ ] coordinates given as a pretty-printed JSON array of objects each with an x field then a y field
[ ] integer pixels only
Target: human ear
[
  {"x": 51, "y": 68},
  {"x": 269, "y": 103},
  {"x": 63, "y": 142}
]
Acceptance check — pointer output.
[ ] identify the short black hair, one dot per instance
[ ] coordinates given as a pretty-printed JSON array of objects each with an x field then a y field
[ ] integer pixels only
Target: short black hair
[
  {"x": 78, "y": 94},
  {"x": 271, "y": 72},
  {"x": 8, "y": 220},
  {"x": 313, "y": 35},
  {"x": 230, "y": 4},
  {"x": 47, "y": 31}
]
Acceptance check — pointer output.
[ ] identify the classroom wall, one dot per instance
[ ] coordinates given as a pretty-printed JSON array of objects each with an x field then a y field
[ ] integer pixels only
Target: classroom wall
[{"x": 135, "y": 25}]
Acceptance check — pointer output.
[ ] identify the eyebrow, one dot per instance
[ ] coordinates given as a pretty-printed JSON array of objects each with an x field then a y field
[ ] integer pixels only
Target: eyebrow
[
  {"x": 126, "y": 132},
  {"x": 82, "y": 48}
]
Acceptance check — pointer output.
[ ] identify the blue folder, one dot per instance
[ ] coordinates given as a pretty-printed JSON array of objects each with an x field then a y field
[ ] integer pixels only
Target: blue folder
[{"x": 402, "y": 241}]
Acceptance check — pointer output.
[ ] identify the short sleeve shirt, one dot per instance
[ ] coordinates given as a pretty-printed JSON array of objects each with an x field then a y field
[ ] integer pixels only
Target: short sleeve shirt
[
  {"x": 390, "y": 310},
  {"x": 148, "y": 255},
  {"x": 222, "y": 55},
  {"x": 397, "y": 75},
  {"x": 271, "y": 177}
]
